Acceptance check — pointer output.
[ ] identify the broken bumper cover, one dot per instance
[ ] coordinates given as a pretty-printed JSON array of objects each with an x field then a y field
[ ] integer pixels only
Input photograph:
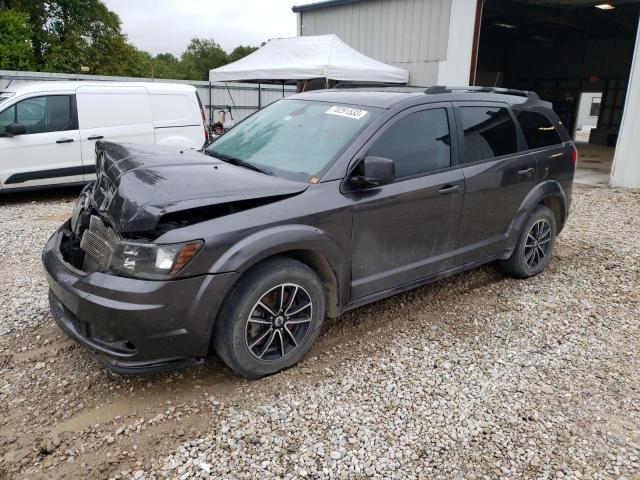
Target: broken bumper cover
[{"x": 132, "y": 325}]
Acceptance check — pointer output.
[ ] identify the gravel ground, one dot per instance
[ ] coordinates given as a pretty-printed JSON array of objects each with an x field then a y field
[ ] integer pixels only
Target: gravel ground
[{"x": 476, "y": 376}]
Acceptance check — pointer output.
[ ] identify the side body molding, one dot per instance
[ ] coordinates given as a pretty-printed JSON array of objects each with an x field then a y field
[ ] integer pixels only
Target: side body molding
[
  {"x": 545, "y": 189},
  {"x": 286, "y": 238}
]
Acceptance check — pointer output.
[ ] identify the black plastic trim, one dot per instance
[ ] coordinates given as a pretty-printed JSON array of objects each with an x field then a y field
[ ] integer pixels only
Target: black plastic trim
[
  {"x": 374, "y": 297},
  {"x": 42, "y": 174}
]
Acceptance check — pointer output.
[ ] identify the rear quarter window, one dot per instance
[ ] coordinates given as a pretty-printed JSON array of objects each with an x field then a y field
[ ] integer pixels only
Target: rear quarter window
[
  {"x": 538, "y": 129},
  {"x": 488, "y": 132}
]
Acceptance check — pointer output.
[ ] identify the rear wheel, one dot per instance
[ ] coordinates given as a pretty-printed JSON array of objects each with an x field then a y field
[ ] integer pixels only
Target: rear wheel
[
  {"x": 271, "y": 318},
  {"x": 533, "y": 251}
]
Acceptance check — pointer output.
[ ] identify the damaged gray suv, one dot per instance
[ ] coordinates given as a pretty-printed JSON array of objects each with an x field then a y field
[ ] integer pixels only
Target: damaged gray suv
[{"x": 315, "y": 205}]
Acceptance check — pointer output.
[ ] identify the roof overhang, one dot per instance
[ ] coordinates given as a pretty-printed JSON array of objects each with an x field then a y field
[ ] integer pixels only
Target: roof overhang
[{"x": 325, "y": 4}]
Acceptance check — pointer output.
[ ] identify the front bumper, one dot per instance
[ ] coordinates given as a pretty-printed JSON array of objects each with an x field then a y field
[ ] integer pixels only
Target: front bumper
[{"x": 131, "y": 325}]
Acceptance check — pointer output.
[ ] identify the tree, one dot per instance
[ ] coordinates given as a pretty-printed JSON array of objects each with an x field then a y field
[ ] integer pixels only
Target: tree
[
  {"x": 15, "y": 49},
  {"x": 73, "y": 36},
  {"x": 201, "y": 56},
  {"x": 166, "y": 65},
  {"x": 69, "y": 34},
  {"x": 239, "y": 52}
]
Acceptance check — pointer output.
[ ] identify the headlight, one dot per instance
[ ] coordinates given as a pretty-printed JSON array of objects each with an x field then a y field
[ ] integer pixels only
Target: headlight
[{"x": 150, "y": 261}]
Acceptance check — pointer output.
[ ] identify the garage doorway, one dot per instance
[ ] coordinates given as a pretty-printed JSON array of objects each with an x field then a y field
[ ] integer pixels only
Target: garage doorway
[{"x": 570, "y": 52}]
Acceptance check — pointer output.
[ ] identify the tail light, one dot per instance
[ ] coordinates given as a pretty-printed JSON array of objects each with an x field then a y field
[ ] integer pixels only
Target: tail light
[
  {"x": 574, "y": 155},
  {"x": 204, "y": 120},
  {"x": 204, "y": 123}
]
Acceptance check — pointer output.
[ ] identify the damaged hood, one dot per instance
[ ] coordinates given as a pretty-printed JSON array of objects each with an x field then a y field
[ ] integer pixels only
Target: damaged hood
[{"x": 137, "y": 184}]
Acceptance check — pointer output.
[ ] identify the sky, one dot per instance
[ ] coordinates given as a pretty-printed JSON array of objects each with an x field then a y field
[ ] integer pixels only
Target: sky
[{"x": 159, "y": 26}]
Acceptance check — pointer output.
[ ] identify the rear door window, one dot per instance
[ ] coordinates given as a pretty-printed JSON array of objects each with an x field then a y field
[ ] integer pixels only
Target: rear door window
[
  {"x": 488, "y": 132},
  {"x": 538, "y": 130},
  {"x": 418, "y": 143}
]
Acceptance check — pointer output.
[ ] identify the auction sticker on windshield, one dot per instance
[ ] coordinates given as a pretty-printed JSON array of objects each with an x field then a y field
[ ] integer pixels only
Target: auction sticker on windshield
[{"x": 349, "y": 112}]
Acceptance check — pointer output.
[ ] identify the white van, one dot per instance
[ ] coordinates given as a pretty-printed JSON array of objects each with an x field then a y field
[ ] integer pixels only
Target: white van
[{"x": 48, "y": 130}]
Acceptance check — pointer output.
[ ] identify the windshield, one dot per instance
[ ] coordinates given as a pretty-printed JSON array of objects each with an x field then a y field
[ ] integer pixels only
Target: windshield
[{"x": 293, "y": 138}]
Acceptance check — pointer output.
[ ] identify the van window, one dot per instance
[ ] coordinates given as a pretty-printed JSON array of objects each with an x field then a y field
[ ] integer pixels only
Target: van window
[
  {"x": 113, "y": 108},
  {"x": 172, "y": 110},
  {"x": 538, "y": 130},
  {"x": 488, "y": 132},
  {"x": 417, "y": 143},
  {"x": 51, "y": 113}
]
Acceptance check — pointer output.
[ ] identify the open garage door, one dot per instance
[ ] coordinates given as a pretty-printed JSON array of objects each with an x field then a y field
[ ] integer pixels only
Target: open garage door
[{"x": 574, "y": 53}]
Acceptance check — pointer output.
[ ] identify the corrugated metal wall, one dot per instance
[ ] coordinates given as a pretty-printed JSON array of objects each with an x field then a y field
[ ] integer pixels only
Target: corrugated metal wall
[
  {"x": 243, "y": 98},
  {"x": 410, "y": 34}
]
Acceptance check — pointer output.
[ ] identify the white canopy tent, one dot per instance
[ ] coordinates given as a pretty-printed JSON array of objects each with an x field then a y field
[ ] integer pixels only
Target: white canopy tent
[{"x": 305, "y": 58}]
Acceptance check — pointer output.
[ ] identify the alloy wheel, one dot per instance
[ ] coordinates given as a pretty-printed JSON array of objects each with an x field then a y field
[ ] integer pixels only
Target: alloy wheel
[
  {"x": 537, "y": 243},
  {"x": 279, "y": 322}
]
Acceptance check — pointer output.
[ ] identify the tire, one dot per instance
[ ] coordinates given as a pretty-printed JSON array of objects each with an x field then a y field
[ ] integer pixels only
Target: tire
[
  {"x": 535, "y": 245},
  {"x": 242, "y": 343}
]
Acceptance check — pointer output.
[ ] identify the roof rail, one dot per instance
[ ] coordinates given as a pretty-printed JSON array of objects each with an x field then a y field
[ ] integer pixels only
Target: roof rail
[
  {"x": 505, "y": 91},
  {"x": 367, "y": 85}
]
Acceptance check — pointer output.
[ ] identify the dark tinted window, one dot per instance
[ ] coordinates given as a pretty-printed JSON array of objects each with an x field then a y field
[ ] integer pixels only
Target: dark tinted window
[
  {"x": 538, "y": 130},
  {"x": 40, "y": 114},
  {"x": 418, "y": 143},
  {"x": 594, "y": 110},
  {"x": 488, "y": 132}
]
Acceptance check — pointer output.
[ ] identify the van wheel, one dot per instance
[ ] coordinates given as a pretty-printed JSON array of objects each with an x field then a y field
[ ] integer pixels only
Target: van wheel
[
  {"x": 533, "y": 251},
  {"x": 271, "y": 318}
]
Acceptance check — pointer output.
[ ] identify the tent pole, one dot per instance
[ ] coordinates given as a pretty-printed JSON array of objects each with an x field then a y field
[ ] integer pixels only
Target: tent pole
[
  {"x": 210, "y": 106},
  {"x": 259, "y": 96},
  {"x": 282, "y": 88}
]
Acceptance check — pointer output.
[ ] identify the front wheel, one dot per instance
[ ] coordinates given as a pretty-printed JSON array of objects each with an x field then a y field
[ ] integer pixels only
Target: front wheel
[
  {"x": 533, "y": 251},
  {"x": 271, "y": 318}
]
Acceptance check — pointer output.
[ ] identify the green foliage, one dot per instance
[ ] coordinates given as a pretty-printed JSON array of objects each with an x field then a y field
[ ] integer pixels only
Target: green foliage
[
  {"x": 200, "y": 56},
  {"x": 84, "y": 36},
  {"x": 239, "y": 52},
  {"x": 15, "y": 49}
]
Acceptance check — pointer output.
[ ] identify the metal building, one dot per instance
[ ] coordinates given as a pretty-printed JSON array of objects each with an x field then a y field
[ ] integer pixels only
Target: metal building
[
  {"x": 558, "y": 48},
  {"x": 414, "y": 35}
]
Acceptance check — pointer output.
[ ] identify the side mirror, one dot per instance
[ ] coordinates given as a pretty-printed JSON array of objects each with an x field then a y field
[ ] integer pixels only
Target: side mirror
[
  {"x": 377, "y": 171},
  {"x": 15, "y": 128}
]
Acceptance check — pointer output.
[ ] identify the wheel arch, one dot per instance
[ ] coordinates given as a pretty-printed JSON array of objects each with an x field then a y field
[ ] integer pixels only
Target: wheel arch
[
  {"x": 555, "y": 203},
  {"x": 548, "y": 193},
  {"x": 309, "y": 245}
]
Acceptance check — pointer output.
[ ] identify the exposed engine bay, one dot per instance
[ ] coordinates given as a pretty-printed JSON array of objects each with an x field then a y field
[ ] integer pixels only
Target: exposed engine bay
[{"x": 144, "y": 191}]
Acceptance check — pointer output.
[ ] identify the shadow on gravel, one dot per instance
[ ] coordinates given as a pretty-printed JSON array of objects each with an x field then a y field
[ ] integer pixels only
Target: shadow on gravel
[{"x": 393, "y": 312}]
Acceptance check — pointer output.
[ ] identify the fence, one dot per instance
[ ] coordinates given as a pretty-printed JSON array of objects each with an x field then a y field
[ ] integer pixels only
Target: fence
[{"x": 243, "y": 98}]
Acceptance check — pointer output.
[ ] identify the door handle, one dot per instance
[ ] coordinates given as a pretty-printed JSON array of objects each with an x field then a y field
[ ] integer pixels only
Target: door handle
[
  {"x": 65, "y": 140},
  {"x": 527, "y": 172},
  {"x": 95, "y": 137},
  {"x": 449, "y": 189}
]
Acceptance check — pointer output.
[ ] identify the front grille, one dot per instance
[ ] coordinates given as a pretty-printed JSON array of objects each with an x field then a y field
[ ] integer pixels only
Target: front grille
[{"x": 98, "y": 241}]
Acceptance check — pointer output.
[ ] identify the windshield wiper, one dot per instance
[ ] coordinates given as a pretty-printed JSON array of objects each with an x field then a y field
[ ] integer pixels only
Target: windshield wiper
[{"x": 239, "y": 162}]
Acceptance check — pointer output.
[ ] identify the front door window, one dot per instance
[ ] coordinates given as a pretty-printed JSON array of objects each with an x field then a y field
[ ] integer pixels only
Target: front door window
[{"x": 51, "y": 113}]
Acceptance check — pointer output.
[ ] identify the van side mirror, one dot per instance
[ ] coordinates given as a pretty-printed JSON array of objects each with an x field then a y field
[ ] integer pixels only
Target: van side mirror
[
  {"x": 377, "y": 171},
  {"x": 15, "y": 128}
]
